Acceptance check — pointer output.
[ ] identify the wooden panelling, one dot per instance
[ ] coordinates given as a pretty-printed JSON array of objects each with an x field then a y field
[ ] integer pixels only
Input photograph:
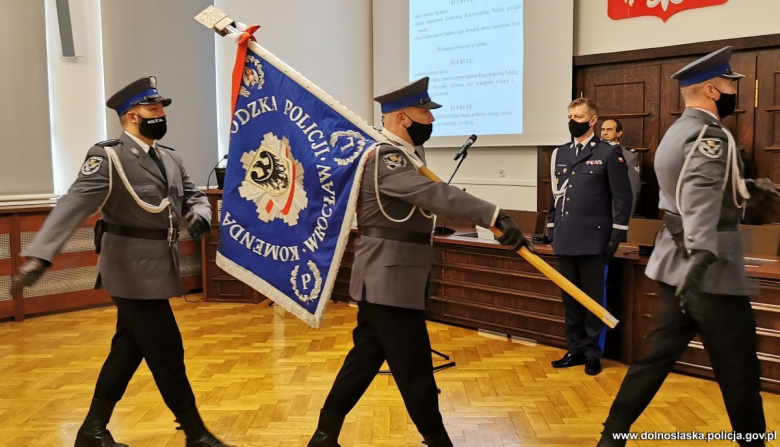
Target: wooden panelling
[
  {"x": 218, "y": 285},
  {"x": 637, "y": 88},
  {"x": 71, "y": 277}
]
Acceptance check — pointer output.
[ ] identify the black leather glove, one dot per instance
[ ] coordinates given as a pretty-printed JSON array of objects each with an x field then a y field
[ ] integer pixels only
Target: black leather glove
[
  {"x": 612, "y": 247},
  {"x": 690, "y": 289},
  {"x": 197, "y": 226},
  {"x": 29, "y": 273},
  {"x": 512, "y": 235},
  {"x": 763, "y": 192}
]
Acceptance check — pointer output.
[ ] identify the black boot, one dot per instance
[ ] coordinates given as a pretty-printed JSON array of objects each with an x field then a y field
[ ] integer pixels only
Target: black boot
[
  {"x": 93, "y": 432},
  {"x": 440, "y": 439},
  {"x": 197, "y": 434},
  {"x": 328, "y": 429},
  {"x": 607, "y": 438}
]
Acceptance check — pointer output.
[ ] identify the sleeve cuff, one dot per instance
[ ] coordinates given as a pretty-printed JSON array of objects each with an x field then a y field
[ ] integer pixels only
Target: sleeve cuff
[
  {"x": 550, "y": 224},
  {"x": 620, "y": 227}
]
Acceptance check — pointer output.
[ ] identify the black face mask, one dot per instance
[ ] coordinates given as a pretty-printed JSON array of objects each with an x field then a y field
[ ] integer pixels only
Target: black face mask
[
  {"x": 419, "y": 132},
  {"x": 578, "y": 129},
  {"x": 726, "y": 104},
  {"x": 154, "y": 128}
]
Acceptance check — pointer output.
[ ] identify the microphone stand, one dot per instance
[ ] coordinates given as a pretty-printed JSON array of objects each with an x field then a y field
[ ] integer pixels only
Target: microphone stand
[
  {"x": 463, "y": 158},
  {"x": 450, "y": 363}
]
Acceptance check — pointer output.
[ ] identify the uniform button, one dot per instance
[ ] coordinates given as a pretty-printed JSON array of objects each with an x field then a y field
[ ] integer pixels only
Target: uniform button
[
  {"x": 599, "y": 227},
  {"x": 567, "y": 213},
  {"x": 573, "y": 173},
  {"x": 690, "y": 238},
  {"x": 568, "y": 198},
  {"x": 570, "y": 186},
  {"x": 591, "y": 172}
]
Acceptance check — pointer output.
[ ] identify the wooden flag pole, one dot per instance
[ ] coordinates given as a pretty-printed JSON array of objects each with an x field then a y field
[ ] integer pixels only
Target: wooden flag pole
[{"x": 550, "y": 272}]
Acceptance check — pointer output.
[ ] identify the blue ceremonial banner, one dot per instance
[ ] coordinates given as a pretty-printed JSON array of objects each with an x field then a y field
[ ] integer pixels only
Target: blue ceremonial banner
[{"x": 295, "y": 161}]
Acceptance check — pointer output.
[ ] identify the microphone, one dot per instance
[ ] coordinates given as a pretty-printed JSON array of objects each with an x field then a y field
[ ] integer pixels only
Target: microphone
[
  {"x": 465, "y": 148},
  {"x": 224, "y": 157}
]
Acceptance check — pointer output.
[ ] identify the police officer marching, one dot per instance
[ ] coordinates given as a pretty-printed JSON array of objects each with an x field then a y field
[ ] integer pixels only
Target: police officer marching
[
  {"x": 392, "y": 263},
  {"x": 142, "y": 191},
  {"x": 698, "y": 260},
  {"x": 587, "y": 220}
]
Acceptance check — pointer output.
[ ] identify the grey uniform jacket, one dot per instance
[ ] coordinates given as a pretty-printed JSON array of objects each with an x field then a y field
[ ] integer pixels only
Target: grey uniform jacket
[
  {"x": 632, "y": 158},
  {"x": 710, "y": 217},
  {"x": 127, "y": 267},
  {"x": 396, "y": 273}
]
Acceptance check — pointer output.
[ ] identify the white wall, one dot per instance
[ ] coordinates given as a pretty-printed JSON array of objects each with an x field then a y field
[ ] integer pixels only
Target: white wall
[
  {"x": 76, "y": 90},
  {"x": 479, "y": 174},
  {"x": 328, "y": 42},
  {"x": 595, "y": 32}
]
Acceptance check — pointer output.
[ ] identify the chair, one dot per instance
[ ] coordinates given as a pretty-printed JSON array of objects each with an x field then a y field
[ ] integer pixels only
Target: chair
[
  {"x": 762, "y": 240},
  {"x": 642, "y": 231}
]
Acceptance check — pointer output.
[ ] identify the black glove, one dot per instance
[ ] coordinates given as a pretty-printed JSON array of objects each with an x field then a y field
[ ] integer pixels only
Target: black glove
[
  {"x": 197, "y": 226},
  {"x": 763, "y": 192},
  {"x": 612, "y": 247},
  {"x": 691, "y": 287},
  {"x": 29, "y": 273},
  {"x": 512, "y": 235}
]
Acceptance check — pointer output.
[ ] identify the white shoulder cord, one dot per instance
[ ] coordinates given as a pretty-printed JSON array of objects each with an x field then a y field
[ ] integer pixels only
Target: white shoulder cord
[
  {"x": 732, "y": 165},
  {"x": 166, "y": 202},
  {"x": 557, "y": 193},
  {"x": 379, "y": 197},
  {"x": 737, "y": 183},
  {"x": 110, "y": 186}
]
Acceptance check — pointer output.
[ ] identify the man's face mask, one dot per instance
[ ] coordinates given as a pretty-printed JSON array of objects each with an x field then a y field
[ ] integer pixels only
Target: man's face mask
[
  {"x": 153, "y": 128},
  {"x": 419, "y": 132},
  {"x": 726, "y": 104},
  {"x": 578, "y": 129}
]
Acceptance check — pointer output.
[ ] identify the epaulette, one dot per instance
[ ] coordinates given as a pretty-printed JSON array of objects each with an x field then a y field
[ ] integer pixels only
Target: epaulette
[
  {"x": 165, "y": 147},
  {"x": 108, "y": 143}
]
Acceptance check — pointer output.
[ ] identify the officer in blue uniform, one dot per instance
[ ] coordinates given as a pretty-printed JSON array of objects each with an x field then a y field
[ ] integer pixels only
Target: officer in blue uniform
[{"x": 588, "y": 219}]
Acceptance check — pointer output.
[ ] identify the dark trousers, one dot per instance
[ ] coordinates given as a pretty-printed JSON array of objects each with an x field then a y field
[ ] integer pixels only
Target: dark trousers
[
  {"x": 399, "y": 336},
  {"x": 727, "y": 327},
  {"x": 146, "y": 329},
  {"x": 585, "y": 332}
]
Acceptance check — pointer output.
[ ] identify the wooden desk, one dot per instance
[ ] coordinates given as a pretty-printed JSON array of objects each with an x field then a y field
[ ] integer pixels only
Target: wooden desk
[
  {"x": 69, "y": 283},
  {"x": 479, "y": 284}
]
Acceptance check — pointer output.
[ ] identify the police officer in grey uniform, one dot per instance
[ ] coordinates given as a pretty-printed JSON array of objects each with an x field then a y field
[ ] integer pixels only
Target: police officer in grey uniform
[
  {"x": 611, "y": 131},
  {"x": 142, "y": 191},
  {"x": 587, "y": 220},
  {"x": 392, "y": 263},
  {"x": 698, "y": 260}
]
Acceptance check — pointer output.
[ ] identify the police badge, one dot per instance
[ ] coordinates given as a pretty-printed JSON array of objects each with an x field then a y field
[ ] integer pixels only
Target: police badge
[
  {"x": 395, "y": 160},
  {"x": 92, "y": 165},
  {"x": 711, "y": 147}
]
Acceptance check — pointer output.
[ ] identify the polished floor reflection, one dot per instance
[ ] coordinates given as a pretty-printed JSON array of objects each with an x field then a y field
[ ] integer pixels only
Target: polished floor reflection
[{"x": 261, "y": 376}]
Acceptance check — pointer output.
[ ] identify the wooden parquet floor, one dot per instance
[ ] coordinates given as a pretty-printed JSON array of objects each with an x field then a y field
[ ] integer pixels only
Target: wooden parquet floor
[{"x": 261, "y": 376}]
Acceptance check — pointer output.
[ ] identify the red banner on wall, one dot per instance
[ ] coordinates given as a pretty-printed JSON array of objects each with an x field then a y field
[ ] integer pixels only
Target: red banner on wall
[{"x": 663, "y": 9}]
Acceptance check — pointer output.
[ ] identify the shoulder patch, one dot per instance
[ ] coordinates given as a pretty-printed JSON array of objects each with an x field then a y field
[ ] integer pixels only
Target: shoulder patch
[
  {"x": 92, "y": 165},
  {"x": 108, "y": 143},
  {"x": 395, "y": 160},
  {"x": 711, "y": 147},
  {"x": 165, "y": 147}
]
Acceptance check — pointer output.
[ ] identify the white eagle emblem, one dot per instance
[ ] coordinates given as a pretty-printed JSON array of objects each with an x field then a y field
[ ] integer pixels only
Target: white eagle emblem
[
  {"x": 253, "y": 77},
  {"x": 274, "y": 181}
]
